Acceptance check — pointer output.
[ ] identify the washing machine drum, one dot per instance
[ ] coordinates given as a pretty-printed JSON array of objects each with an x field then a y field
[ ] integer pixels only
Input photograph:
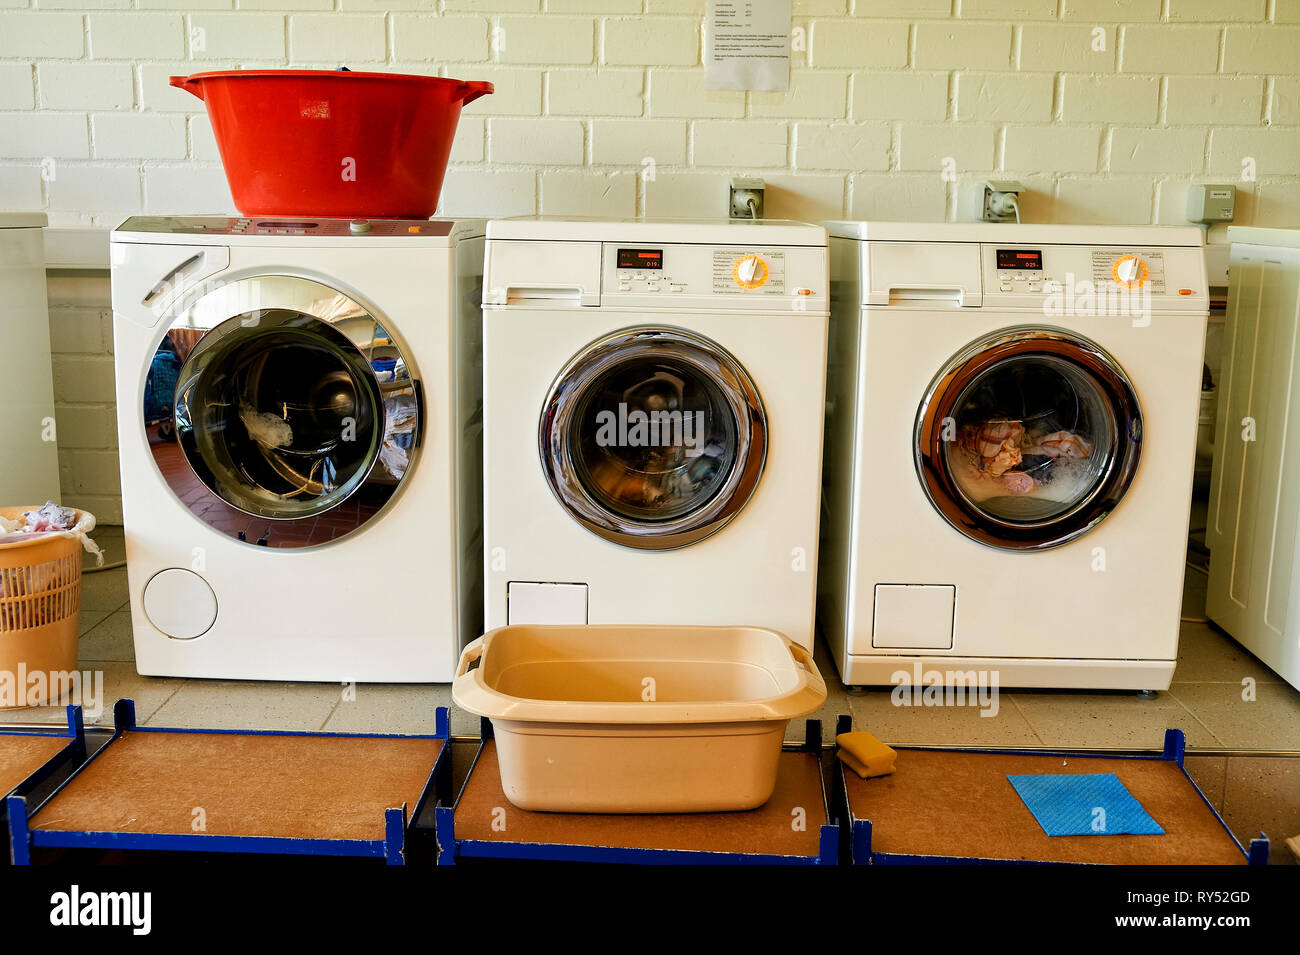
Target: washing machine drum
[
  {"x": 653, "y": 437},
  {"x": 281, "y": 420},
  {"x": 1028, "y": 438},
  {"x": 288, "y": 419}
]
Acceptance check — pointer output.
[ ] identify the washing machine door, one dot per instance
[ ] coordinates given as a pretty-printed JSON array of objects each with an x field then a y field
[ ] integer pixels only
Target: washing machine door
[
  {"x": 653, "y": 437},
  {"x": 1028, "y": 438},
  {"x": 281, "y": 411}
]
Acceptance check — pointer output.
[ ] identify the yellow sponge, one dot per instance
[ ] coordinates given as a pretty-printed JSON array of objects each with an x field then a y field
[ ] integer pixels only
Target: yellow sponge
[{"x": 865, "y": 755}]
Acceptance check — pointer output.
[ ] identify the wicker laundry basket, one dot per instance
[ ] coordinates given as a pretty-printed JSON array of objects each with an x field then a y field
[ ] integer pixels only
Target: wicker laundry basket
[{"x": 40, "y": 603}]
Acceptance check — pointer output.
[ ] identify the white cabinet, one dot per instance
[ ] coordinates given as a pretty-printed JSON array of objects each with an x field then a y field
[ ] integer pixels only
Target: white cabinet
[{"x": 1254, "y": 517}]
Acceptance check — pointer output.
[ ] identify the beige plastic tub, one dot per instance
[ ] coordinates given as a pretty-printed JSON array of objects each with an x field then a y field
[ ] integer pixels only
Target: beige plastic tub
[{"x": 637, "y": 719}]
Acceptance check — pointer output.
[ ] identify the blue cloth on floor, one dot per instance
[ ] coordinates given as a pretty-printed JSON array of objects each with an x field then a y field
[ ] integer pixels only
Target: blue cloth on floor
[{"x": 1084, "y": 804}]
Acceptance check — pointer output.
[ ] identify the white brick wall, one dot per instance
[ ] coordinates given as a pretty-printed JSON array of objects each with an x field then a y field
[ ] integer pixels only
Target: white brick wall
[
  {"x": 81, "y": 341},
  {"x": 1079, "y": 94},
  {"x": 1106, "y": 109}
]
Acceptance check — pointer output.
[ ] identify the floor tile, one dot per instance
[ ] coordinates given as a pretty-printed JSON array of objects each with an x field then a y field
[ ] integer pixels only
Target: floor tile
[
  {"x": 1206, "y": 655},
  {"x": 875, "y": 710},
  {"x": 56, "y": 715},
  {"x": 122, "y": 682},
  {"x": 1262, "y": 794},
  {"x": 1208, "y": 774},
  {"x": 109, "y": 640},
  {"x": 90, "y": 619},
  {"x": 104, "y": 591},
  {"x": 381, "y": 708},
  {"x": 219, "y": 704},
  {"x": 1271, "y": 721},
  {"x": 1109, "y": 720}
]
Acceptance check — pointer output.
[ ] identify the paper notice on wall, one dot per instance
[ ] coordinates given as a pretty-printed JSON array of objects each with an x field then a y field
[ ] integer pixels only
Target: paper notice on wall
[{"x": 747, "y": 45}]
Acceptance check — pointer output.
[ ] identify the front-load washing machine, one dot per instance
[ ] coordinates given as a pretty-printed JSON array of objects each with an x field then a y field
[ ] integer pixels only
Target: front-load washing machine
[
  {"x": 299, "y": 423},
  {"x": 1010, "y": 448},
  {"x": 653, "y": 405}
]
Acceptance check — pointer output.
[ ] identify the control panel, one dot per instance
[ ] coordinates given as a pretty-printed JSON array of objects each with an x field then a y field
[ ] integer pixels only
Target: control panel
[
  {"x": 1025, "y": 270},
  {"x": 691, "y": 271}
]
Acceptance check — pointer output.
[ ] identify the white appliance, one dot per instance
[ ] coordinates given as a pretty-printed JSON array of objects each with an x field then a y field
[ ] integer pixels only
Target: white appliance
[
  {"x": 29, "y": 457},
  {"x": 1011, "y": 432},
  {"x": 308, "y": 506},
  {"x": 1253, "y": 529},
  {"x": 653, "y": 399}
]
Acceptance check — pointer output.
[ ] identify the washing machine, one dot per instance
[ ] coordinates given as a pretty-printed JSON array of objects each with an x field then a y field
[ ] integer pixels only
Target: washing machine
[
  {"x": 29, "y": 463},
  {"x": 1011, "y": 435},
  {"x": 299, "y": 418},
  {"x": 653, "y": 401}
]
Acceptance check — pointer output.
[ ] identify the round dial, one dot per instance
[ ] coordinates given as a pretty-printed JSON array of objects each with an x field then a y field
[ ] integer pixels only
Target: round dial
[
  {"x": 750, "y": 271},
  {"x": 1129, "y": 271}
]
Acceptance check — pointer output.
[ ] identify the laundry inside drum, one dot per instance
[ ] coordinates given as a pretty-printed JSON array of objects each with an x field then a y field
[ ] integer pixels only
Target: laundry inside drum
[
  {"x": 654, "y": 439},
  {"x": 1030, "y": 439}
]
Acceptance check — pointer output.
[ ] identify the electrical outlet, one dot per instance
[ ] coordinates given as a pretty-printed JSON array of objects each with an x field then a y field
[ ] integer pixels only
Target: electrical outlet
[
  {"x": 996, "y": 201},
  {"x": 746, "y": 200}
]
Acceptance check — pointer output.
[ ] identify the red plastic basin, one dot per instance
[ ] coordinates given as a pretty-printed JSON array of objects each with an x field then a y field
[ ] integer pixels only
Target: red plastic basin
[{"x": 333, "y": 144}]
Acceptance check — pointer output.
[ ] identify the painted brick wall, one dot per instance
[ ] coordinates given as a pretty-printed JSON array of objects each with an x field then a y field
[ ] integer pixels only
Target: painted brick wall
[
  {"x": 1106, "y": 109},
  {"x": 81, "y": 346}
]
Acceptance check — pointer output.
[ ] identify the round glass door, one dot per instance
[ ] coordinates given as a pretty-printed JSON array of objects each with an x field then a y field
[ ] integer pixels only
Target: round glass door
[
  {"x": 281, "y": 412},
  {"x": 1028, "y": 438},
  {"x": 653, "y": 437}
]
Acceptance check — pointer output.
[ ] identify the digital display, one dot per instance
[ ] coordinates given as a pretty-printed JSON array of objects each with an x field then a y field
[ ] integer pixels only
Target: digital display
[
  {"x": 640, "y": 258},
  {"x": 1020, "y": 259},
  {"x": 287, "y": 225}
]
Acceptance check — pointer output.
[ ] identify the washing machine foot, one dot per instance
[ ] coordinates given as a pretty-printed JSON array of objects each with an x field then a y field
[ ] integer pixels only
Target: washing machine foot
[{"x": 1146, "y": 694}]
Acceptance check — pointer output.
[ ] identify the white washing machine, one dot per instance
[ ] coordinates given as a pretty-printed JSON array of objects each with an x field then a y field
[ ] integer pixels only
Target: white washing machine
[
  {"x": 29, "y": 457},
  {"x": 1253, "y": 527},
  {"x": 1010, "y": 446},
  {"x": 653, "y": 400},
  {"x": 299, "y": 418}
]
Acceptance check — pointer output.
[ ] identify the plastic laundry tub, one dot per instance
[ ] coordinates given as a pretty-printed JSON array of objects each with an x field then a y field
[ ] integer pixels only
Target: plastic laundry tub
[
  {"x": 637, "y": 719},
  {"x": 333, "y": 143}
]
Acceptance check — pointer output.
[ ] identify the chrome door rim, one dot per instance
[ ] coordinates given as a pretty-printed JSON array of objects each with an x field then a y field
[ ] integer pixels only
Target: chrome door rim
[
  {"x": 213, "y": 305},
  {"x": 972, "y": 362},
  {"x": 707, "y": 357}
]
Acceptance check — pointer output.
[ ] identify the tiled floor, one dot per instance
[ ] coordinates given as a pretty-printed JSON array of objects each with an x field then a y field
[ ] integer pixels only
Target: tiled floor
[{"x": 1206, "y": 700}]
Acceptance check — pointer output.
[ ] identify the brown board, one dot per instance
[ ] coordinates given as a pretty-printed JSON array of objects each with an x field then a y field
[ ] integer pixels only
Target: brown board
[
  {"x": 788, "y": 824},
  {"x": 234, "y": 784},
  {"x": 20, "y": 756},
  {"x": 962, "y": 805}
]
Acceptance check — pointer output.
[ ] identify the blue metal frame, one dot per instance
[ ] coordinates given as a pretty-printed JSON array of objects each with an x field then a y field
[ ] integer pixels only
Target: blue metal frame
[
  {"x": 391, "y": 848},
  {"x": 72, "y": 755},
  {"x": 450, "y": 848},
  {"x": 1175, "y": 746}
]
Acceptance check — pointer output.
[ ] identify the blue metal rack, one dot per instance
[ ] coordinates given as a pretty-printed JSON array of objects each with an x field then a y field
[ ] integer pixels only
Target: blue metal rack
[
  {"x": 25, "y": 833},
  {"x": 72, "y": 754},
  {"x": 860, "y": 830},
  {"x": 451, "y": 847}
]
